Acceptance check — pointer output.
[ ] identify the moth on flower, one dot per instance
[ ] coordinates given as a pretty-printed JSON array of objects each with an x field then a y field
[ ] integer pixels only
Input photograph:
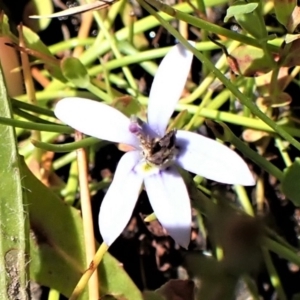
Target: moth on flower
[{"x": 156, "y": 154}]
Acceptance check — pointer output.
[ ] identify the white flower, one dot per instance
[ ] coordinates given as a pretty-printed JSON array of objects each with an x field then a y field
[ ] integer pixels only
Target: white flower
[{"x": 156, "y": 154}]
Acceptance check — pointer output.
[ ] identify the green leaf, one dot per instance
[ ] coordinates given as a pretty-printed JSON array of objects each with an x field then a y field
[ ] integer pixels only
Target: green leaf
[
  {"x": 290, "y": 184},
  {"x": 14, "y": 224},
  {"x": 239, "y": 9},
  {"x": 248, "y": 14},
  {"x": 75, "y": 72},
  {"x": 57, "y": 250}
]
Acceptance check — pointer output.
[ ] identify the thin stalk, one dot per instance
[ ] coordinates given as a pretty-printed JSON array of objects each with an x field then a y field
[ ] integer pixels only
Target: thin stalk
[
  {"x": 68, "y": 147},
  {"x": 87, "y": 218},
  {"x": 88, "y": 273},
  {"x": 244, "y": 100},
  {"x": 36, "y": 126}
]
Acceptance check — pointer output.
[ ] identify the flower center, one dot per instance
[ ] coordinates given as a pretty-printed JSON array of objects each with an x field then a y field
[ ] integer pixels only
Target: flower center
[{"x": 158, "y": 152}]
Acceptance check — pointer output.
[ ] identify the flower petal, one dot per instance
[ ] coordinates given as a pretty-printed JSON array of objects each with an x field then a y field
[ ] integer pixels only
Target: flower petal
[
  {"x": 167, "y": 87},
  {"x": 171, "y": 204},
  {"x": 120, "y": 199},
  {"x": 95, "y": 119},
  {"x": 212, "y": 160}
]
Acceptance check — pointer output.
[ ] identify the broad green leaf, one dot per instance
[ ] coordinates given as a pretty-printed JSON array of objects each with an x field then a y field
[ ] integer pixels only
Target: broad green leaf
[
  {"x": 57, "y": 250},
  {"x": 114, "y": 281},
  {"x": 14, "y": 224},
  {"x": 291, "y": 182},
  {"x": 75, "y": 72}
]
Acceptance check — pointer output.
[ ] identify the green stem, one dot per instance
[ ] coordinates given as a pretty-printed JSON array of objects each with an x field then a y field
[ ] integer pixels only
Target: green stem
[
  {"x": 36, "y": 126},
  {"x": 229, "y": 117},
  {"x": 229, "y": 136},
  {"x": 274, "y": 277},
  {"x": 135, "y": 56},
  {"x": 33, "y": 118},
  {"x": 244, "y": 100},
  {"x": 283, "y": 151},
  {"x": 89, "y": 272},
  {"x": 282, "y": 251},
  {"x": 64, "y": 160},
  {"x": 98, "y": 92},
  {"x": 33, "y": 108},
  {"x": 69, "y": 146},
  {"x": 208, "y": 26},
  {"x": 113, "y": 44}
]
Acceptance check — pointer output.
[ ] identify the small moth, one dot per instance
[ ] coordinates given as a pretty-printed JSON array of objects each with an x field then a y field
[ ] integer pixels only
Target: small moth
[
  {"x": 160, "y": 151},
  {"x": 156, "y": 151}
]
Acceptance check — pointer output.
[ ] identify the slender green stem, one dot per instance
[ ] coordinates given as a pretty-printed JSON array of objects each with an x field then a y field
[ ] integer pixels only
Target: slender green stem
[
  {"x": 89, "y": 272},
  {"x": 134, "y": 57},
  {"x": 283, "y": 151},
  {"x": 244, "y": 199},
  {"x": 244, "y": 100},
  {"x": 33, "y": 118},
  {"x": 102, "y": 46},
  {"x": 282, "y": 251},
  {"x": 229, "y": 117},
  {"x": 69, "y": 146},
  {"x": 98, "y": 186},
  {"x": 229, "y": 136},
  {"x": 33, "y": 108},
  {"x": 113, "y": 44},
  {"x": 98, "y": 92},
  {"x": 274, "y": 277},
  {"x": 36, "y": 126},
  {"x": 64, "y": 160},
  {"x": 258, "y": 159},
  {"x": 71, "y": 189},
  {"x": 208, "y": 26},
  {"x": 71, "y": 43},
  {"x": 47, "y": 95}
]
